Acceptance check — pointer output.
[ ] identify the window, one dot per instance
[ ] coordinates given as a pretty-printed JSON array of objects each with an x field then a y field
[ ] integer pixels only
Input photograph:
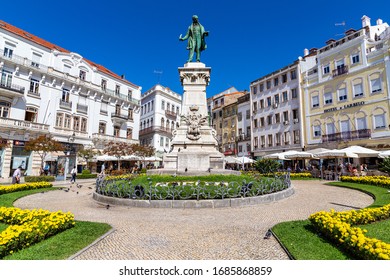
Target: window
[
  {"x": 67, "y": 121},
  {"x": 296, "y": 136},
  {"x": 277, "y": 118},
  {"x": 117, "y": 131},
  {"x": 379, "y": 121},
  {"x": 162, "y": 122},
  {"x": 162, "y": 105},
  {"x": 34, "y": 86},
  {"x": 254, "y": 89},
  {"x": 330, "y": 128},
  {"x": 361, "y": 123},
  {"x": 8, "y": 52},
  {"x": 239, "y": 116},
  {"x": 295, "y": 114},
  {"x": 31, "y": 114},
  {"x": 344, "y": 125},
  {"x": 326, "y": 69},
  {"x": 262, "y": 141},
  {"x": 4, "y": 109},
  {"x": 375, "y": 85},
  {"x": 82, "y": 75},
  {"x": 59, "y": 119},
  {"x": 102, "y": 128},
  {"x": 317, "y": 131},
  {"x": 261, "y": 87},
  {"x": 355, "y": 58},
  {"x": 130, "y": 96},
  {"x": 255, "y": 106},
  {"x": 276, "y": 99},
  {"x": 248, "y": 114},
  {"x": 358, "y": 90},
  {"x": 65, "y": 95},
  {"x": 285, "y": 96},
  {"x": 255, "y": 142},
  {"x": 328, "y": 98},
  {"x": 130, "y": 114},
  {"x": 262, "y": 104},
  {"x": 315, "y": 101},
  {"x": 261, "y": 121},
  {"x": 285, "y": 116},
  {"x": 276, "y": 82},
  {"x": 103, "y": 85},
  {"x": 117, "y": 109},
  {"x": 294, "y": 93},
  {"x": 293, "y": 75},
  {"x": 220, "y": 113},
  {"x": 270, "y": 142},
  {"x": 36, "y": 60},
  {"x": 269, "y": 120},
  {"x": 277, "y": 139},
  {"x": 117, "y": 89},
  {"x": 342, "y": 92},
  {"x": 6, "y": 78},
  {"x": 268, "y": 84},
  {"x": 268, "y": 101},
  {"x": 284, "y": 78},
  {"x": 103, "y": 108},
  {"x": 83, "y": 127},
  {"x": 286, "y": 137},
  {"x": 255, "y": 123},
  {"x": 240, "y": 148},
  {"x": 76, "y": 123}
]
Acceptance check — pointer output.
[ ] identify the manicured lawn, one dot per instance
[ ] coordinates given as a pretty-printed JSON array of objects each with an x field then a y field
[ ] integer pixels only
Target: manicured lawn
[
  {"x": 60, "y": 246},
  {"x": 303, "y": 242}
]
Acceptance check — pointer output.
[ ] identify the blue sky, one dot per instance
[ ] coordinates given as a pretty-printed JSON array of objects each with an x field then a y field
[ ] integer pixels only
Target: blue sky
[{"x": 248, "y": 38}]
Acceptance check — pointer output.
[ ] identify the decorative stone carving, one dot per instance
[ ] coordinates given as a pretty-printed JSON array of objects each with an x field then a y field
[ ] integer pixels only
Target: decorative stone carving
[{"x": 194, "y": 122}]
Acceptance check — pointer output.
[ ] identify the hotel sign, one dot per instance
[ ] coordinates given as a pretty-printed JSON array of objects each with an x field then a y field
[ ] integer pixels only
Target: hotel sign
[{"x": 344, "y": 107}]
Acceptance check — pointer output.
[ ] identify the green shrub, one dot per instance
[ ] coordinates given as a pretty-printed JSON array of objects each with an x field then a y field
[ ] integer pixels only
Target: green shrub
[
  {"x": 31, "y": 179},
  {"x": 86, "y": 171},
  {"x": 86, "y": 176},
  {"x": 385, "y": 165},
  {"x": 266, "y": 165}
]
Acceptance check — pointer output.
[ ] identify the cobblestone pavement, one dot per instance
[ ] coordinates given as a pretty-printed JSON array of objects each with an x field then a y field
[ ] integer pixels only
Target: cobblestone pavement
[{"x": 194, "y": 234}]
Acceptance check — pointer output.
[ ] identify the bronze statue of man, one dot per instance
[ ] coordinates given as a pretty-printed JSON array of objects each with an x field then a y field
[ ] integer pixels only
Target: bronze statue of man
[{"x": 196, "y": 39}]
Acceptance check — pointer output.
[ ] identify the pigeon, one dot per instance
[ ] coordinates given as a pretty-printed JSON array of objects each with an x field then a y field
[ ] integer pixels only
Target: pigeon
[
  {"x": 268, "y": 234},
  {"x": 79, "y": 186},
  {"x": 66, "y": 190},
  {"x": 89, "y": 187},
  {"x": 108, "y": 206},
  {"x": 77, "y": 192}
]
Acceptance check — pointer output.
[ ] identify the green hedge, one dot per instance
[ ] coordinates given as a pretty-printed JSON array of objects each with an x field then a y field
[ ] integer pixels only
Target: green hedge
[
  {"x": 31, "y": 179},
  {"x": 86, "y": 176}
]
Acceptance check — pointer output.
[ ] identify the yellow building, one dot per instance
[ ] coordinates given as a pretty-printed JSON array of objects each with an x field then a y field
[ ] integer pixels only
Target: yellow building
[{"x": 346, "y": 95}]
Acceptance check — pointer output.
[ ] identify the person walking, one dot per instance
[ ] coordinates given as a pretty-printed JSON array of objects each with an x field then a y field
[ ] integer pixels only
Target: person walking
[
  {"x": 16, "y": 176},
  {"x": 73, "y": 173}
]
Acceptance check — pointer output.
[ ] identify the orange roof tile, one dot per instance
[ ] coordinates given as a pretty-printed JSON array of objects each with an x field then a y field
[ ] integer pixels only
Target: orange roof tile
[{"x": 6, "y": 26}]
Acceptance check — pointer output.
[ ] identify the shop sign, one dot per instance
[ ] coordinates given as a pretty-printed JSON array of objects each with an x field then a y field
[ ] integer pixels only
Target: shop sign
[
  {"x": 344, "y": 107},
  {"x": 18, "y": 143}
]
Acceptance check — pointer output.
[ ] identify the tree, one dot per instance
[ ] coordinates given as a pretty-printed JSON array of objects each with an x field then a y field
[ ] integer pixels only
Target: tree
[
  {"x": 385, "y": 165},
  {"x": 266, "y": 165},
  {"x": 118, "y": 150},
  {"x": 3, "y": 143},
  {"x": 87, "y": 153},
  {"x": 43, "y": 145},
  {"x": 142, "y": 151}
]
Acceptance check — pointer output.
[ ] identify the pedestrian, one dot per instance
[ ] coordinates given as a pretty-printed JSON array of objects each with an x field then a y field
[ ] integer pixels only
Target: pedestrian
[
  {"x": 16, "y": 176},
  {"x": 103, "y": 168},
  {"x": 73, "y": 173}
]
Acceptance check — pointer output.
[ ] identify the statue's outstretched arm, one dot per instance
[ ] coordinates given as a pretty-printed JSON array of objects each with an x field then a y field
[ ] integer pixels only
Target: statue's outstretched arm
[{"x": 186, "y": 36}]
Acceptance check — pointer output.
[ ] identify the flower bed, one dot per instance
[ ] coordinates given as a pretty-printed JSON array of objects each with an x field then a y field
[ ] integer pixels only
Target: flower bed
[
  {"x": 339, "y": 227},
  {"x": 381, "y": 181},
  {"x": 23, "y": 187},
  {"x": 29, "y": 226}
]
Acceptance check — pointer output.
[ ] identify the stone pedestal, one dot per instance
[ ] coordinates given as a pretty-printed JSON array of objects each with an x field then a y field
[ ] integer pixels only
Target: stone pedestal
[{"x": 194, "y": 146}]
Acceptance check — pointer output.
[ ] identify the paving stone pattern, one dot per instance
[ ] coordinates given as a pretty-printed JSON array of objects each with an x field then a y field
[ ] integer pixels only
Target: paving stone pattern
[{"x": 232, "y": 233}]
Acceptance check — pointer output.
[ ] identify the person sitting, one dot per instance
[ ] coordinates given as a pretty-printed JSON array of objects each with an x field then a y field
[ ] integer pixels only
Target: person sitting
[{"x": 16, "y": 176}]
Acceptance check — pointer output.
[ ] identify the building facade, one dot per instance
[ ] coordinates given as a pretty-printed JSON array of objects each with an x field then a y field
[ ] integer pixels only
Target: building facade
[
  {"x": 244, "y": 128},
  {"x": 347, "y": 92},
  {"x": 277, "y": 115},
  {"x": 160, "y": 115},
  {"x": 46, "y": 89}
]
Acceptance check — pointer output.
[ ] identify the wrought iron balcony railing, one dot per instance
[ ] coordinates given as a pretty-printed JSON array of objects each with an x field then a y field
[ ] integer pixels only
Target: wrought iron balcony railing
[{"x": 347, "y": 135}]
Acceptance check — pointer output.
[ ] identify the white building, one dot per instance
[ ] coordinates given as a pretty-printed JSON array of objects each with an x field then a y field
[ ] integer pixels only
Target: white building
[
  {"x": 46, "y": 89},
  {"x": 277, "y": 114},
  {"x": 160, "y": 115},
  {"x": 243, "y": 126}
]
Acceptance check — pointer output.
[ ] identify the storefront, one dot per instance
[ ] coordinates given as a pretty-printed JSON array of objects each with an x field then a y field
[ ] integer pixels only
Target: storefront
[{"x": 21, "y": 158}]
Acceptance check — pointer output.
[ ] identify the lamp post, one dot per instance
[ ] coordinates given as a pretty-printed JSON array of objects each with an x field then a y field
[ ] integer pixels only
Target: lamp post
[{"x": 68, "y": 148}]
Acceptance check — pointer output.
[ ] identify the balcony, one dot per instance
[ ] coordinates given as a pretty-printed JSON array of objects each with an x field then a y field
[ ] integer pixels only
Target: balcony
[
  {"x": 82, "y": 108},
  {"x": 244, "y": 137},
  {"x": 157, "y": 129},
  {"x": 23, "y": 125},
  {"x": 119, "y": 118},
  {"x": 11, "y": 90},
  {"x": 65, "y": 105},
  {"x": 347, "y": 135},
  {"x": 340, "y": 71},
  {"x": 171, "y": 114}
]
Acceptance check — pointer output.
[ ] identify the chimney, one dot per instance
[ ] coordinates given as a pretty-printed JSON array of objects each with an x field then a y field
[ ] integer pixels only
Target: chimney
[
  {"x": 123, "y": 76},
  {"x": 366, "y": 21},
  {"x": 379, "y": 21},
  {"x": 305, "y": 52}
]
